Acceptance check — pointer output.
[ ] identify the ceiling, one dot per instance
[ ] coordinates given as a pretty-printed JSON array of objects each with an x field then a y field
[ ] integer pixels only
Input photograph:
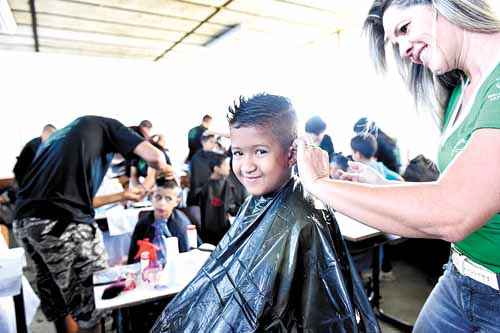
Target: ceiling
[{"x": 154, "y": 29}]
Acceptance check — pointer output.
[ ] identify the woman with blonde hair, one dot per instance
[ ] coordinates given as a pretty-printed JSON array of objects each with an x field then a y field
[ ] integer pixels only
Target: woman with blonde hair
[{"x": 448, "y": 52}]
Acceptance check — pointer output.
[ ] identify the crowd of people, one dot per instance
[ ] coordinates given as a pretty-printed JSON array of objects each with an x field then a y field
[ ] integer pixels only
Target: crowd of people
[
  {"x": 280, "y": 262},
  {"x": 97, "y": 163}
]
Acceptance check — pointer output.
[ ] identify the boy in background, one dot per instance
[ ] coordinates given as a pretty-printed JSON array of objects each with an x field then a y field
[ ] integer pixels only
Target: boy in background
[
  {"x": 364, "y": 146},
  {"x": 219, "y": 200},
  {"x": 165, "y": 221},
  {"x": 283, "y": 265},
  {"x": 338, "y": 163},
  {"x": 212, "y": 201}
]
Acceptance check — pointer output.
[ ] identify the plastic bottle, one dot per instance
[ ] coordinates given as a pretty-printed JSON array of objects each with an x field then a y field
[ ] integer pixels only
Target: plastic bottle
[
  {"x": 192, "y": 236},
  {"x": 144, "y": 261}
]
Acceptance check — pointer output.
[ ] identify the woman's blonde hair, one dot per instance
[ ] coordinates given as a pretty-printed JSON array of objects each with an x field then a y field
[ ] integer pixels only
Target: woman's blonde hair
[{"x": 429, "y": 90}]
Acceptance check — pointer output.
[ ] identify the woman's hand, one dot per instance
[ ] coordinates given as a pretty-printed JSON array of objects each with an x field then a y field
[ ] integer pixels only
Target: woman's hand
[
  {"x": 362, "y": 173},
  {"x": 312, "y": 163}
]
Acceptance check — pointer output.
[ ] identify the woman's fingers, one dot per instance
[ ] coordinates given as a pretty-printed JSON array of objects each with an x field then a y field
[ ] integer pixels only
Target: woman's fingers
[{"x": 312, "y": 162}]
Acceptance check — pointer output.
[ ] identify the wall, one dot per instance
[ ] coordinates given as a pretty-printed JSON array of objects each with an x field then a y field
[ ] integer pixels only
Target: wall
[{"x": 333, "y": 78}]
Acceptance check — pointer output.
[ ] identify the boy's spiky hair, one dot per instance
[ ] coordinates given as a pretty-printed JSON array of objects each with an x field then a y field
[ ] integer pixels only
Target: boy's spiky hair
[
  {"x": 166, "y": 183},
  {"x": 266, "y": 110}
]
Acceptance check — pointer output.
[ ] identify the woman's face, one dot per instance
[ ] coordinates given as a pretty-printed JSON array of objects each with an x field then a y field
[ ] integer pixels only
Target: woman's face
[{"x": 422, "y": 36}]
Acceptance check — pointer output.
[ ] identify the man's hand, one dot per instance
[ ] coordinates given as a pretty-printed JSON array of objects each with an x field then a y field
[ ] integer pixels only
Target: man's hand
[
  {"x": 155, "y": 158},
  {"x": 135, "y": 194},
  {"x": 167, "y": 171}
]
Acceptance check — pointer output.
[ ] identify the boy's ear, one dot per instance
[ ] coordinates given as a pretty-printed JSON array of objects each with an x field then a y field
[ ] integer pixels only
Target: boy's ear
[{"x": 292, "y": 156}]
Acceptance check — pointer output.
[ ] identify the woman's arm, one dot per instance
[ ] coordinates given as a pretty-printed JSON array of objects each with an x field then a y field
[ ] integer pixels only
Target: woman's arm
[{"x": 462, "y": 200}]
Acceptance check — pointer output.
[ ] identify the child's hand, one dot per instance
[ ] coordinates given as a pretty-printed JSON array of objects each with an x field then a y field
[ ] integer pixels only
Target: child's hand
[{"x": 362, "y": 173}]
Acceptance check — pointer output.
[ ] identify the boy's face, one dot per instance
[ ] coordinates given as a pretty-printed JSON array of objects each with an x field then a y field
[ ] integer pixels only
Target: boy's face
[
  {"x": 224, "y": 169},
  {"x": 260, "y": 162},
  {"x": 164, "y": 201},
  {"x": 356, "y": 156},
  {"x": 209, "y": 144}
]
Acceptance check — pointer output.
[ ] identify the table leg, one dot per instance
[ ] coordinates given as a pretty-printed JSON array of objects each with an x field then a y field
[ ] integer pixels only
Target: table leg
[
  {"x": 20, "y": 314},
  {"x": 396, "y": 322},
  {"x": 118, "y": 315}
]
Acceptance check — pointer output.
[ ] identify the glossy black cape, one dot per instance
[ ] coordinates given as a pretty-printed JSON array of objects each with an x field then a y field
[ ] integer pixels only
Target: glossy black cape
[{"x": 282, "y": 267}]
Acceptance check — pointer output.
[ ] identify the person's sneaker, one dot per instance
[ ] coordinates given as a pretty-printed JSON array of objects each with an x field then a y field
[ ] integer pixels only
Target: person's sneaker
[{"x": 387, "y": 276}]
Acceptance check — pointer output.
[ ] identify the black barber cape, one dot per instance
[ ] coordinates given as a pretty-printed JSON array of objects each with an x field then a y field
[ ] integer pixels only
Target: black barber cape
[{"x": 282, "y": 267}]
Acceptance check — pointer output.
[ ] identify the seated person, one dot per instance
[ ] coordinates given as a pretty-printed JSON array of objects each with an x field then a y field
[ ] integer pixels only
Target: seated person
[
  {"x": 338, "y": 162},
  {"x": 213, "y": 200},
  {"x": 315, "y": 131},
  {"x": 165, "y": 221},
  {"x": 199, "y": 171},
  {"x": 283, "y": 265},
  {"x": 364, "y": 147}
]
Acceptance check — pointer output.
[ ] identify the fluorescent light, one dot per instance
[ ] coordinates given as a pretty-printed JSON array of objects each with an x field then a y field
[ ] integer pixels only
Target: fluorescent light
[{"x": 7, "y": 22}]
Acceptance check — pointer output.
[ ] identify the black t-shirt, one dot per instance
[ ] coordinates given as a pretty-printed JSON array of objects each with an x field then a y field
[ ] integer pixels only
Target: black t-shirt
[
  {"x": 69, "y": 167},
  {"x": 200, "y": 174},
  {"x": 25, "y": 158}
]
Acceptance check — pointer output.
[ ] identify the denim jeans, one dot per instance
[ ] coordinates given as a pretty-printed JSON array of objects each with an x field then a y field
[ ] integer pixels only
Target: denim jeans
[{"x": 460, "y": 304}]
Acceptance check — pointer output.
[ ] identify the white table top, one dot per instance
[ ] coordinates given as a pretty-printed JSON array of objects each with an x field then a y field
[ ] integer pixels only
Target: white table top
[
  {"x": 102, "y": 215},
  {"x": 353, "y": 230},
  {"x": 12, "y": 262},
  {"x": 187, "y": 266}
]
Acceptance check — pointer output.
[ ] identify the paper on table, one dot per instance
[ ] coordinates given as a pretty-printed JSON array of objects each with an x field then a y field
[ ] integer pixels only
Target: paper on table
[
  {"x": 8, "y": 313},
  {"x": 115, "y": 273},
  {"x": 119, "y": 220}
]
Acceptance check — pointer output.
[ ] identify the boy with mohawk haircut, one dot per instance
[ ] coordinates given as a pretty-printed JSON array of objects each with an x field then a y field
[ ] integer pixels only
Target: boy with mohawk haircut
[{"x": 283, "y": 265}]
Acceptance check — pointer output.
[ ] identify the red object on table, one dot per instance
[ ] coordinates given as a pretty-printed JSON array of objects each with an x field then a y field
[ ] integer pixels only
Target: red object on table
[{"x": 146, "y": 246}]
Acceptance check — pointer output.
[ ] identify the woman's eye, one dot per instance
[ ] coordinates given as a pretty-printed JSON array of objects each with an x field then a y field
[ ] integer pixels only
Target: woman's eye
[
  {"x": 237, "y": 153},
  {"x": 404, "y": 28}
]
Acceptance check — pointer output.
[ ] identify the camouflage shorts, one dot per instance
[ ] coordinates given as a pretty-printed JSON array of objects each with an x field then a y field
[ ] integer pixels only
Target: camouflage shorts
[{"x": 65, "y": 261}]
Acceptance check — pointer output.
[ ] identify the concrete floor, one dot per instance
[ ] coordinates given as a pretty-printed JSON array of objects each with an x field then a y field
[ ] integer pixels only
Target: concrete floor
[
  {"x": 402, "y": 298},
  {"x": 405, "y": 296}
]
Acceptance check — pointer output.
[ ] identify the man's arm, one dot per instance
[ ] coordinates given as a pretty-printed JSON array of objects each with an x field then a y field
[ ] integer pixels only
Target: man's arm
[
  {"x": 136, "y": 195},
  {"x": 154, "y": 157}
]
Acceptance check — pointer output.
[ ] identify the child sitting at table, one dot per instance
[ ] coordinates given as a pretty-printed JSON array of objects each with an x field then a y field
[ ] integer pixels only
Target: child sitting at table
[
  {"x": 165, "y": 221},
  {"x": 283, "y": 265},
  {"x": 217, "y": 200}
]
